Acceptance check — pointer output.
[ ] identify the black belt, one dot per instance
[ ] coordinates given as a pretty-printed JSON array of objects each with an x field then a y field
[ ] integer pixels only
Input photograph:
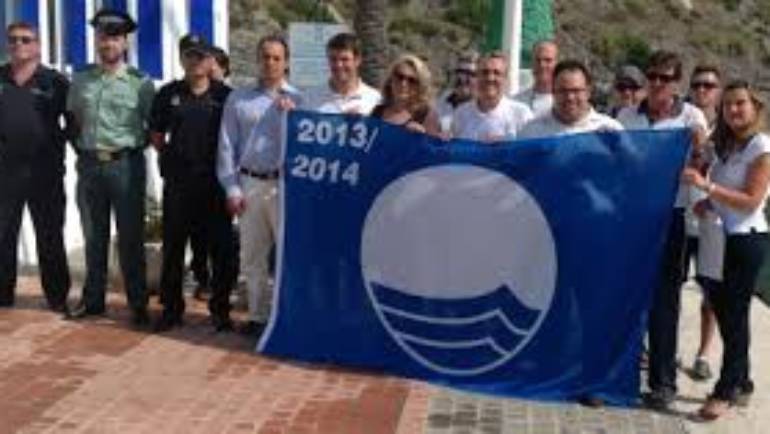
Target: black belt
[
  {"x": 264, "y": 176},
  {"x": 104, "y": 156}
]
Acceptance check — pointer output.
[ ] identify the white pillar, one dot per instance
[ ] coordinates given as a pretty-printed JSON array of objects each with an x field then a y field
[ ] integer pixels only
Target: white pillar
[
  {"x": 90, "y": 37},
  {"x": 44, "y": 32},
  {"x": 512, "y": 41},
  {"x": 175, "y": 24},
  {"x": 221, "y": 24}
]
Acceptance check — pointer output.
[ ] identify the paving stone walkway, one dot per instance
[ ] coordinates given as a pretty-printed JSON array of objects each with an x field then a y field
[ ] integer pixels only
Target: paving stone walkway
[{"x": 99, "y": 376}]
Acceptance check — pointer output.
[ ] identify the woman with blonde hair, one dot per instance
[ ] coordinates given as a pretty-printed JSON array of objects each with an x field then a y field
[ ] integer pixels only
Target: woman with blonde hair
[
  {"x": 737, "y": 191},
  {"x": 406, "y": 96}
]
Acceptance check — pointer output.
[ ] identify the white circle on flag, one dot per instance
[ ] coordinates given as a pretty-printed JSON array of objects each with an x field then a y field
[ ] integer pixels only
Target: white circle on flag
[{"x": 458, "y": 232}]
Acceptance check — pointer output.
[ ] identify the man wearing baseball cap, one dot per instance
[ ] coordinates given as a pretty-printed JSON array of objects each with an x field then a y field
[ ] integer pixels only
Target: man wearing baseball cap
[
  {"x": 184, "y": 125},
  {"x": 110, "y": 102}
]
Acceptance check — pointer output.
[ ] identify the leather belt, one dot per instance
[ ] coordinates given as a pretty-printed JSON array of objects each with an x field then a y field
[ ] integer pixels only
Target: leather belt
[
  {"x": 264, "y": 176},
  {"x": 105, "y": 156}
]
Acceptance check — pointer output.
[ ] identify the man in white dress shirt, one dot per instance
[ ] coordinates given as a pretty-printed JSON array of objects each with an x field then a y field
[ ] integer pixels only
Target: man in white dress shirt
[
  {"x": 539, "y": 97},
  {"x": 248, "y": 164},
  {"x": 572, "y": 111},
  {"x": 492, "y": 116},
  {"x": 345, "y": 92}
]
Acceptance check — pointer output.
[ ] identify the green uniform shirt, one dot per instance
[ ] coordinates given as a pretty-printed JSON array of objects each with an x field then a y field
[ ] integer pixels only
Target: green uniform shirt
[{"x": 111, "y": 109}]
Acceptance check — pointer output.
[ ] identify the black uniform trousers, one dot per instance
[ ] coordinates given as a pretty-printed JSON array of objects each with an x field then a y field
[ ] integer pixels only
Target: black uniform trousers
[
  {"x": 189, "y": 204},
  {"x": 41, "y": 188},
  {"x": 731, "y": 300},
  {"x": 664, "y": 311}
]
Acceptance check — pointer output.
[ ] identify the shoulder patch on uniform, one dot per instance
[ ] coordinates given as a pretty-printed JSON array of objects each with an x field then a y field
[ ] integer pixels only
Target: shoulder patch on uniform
[
  {"x": 88, "y": 67},
  {"x": 135, "y": 72}
]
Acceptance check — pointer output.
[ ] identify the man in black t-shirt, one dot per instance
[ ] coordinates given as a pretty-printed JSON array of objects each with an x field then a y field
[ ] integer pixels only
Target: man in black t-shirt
[
  {"x": 184, "y": 125},
  {"x": 32, "y": 142}
]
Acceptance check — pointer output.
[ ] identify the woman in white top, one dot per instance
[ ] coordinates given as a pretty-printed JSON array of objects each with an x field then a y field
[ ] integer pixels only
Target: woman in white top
[{"x": 737, "y": 190}]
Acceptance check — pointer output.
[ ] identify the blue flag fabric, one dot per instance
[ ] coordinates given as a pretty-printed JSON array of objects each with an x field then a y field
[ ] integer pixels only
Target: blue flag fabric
[{"x": 521, "y": 269}]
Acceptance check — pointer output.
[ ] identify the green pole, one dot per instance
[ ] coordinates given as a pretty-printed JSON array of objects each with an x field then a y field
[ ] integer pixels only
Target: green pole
[
  {"x": 537, "y": 24},
  {"x": 495, "y": 23}
]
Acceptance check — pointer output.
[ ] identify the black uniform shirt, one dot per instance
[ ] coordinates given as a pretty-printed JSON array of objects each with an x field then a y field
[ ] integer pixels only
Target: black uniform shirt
[
  {"x": 31, "y": 117},
  {"x": 192, "y": 124}
]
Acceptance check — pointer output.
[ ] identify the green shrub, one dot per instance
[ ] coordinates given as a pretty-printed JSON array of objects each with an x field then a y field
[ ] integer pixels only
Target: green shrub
[{"x": 618, "y": 47}]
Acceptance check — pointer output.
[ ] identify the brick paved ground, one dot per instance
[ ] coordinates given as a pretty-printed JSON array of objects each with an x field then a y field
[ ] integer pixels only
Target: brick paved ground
[{"x": 99, "y": 376}]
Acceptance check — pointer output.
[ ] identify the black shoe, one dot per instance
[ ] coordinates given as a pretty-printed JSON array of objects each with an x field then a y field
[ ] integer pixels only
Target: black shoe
[
  {"x": 59, "y": 308},
  {"x": 201, "y": 292},
  {"x": 252, "y": 328},
  {"x": 591, "y": 401},
  {"x": 659, "y": 400},
  {"x": 81, "y": 311},
  {"x": 222, "y": 324},
  {"x": 6, "y": 302},
  {"x": 139, "y": 318},
  {"x": 167, "y": 322},
  {"x": 743, "y": 396}
]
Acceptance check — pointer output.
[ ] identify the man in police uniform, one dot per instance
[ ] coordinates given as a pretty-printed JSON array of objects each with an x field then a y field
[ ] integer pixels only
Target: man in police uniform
[
  {"x": 111, "y": 102},
  {"x": 188, "y": 113},
  {"x": 32, "y": 104}
]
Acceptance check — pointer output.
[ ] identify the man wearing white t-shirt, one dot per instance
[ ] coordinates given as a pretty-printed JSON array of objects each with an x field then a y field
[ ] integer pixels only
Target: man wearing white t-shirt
[
  {"x": 345, "y": 92},
  {"x": 492, "y": 117},
  {"x": 572, "y": 112},
  {"x": 664, "y": 109},
  {"x": 539, "y": 97}
]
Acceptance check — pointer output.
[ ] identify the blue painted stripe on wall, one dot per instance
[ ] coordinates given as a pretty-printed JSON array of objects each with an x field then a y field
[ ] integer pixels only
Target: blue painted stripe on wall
[
  {"x": 28, "y": 10},
  {"x": 149, "y": 38},
  {"x": 120, "y": 5},
  {"x": 75, "y": 25},
  {"x": 3, "y": 23},
  {"x": 202, "y": 18}
]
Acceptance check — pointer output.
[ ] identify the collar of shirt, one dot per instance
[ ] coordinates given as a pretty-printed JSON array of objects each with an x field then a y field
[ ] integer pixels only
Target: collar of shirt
[
  {"x": 677, "y": 108},
  {"x": 284, "y": 89},
  {"x": 6, "y": 76},
  {"x": 120, "y": 74}
]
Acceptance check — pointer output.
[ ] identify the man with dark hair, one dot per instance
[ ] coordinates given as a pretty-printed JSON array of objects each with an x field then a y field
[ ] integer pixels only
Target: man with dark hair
[
  {"x": 705, "y": 93},
  {"x": 345, "y": 92},
  {"x": 33, "y": 101},
  {"x": 247, "y": 168},
  {"x": 188, "y": 113},
  {"x": 572, "y": 112},
  {"x": 221, "y": 67},
  {"x": 110, "y": 102},
  {"x": 664, "y": 108}
]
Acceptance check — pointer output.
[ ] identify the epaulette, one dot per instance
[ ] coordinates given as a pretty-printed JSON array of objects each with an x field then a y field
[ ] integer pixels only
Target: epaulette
[
  {"x": 135, "y": 72},
  {"x": 88, "y": 67}
]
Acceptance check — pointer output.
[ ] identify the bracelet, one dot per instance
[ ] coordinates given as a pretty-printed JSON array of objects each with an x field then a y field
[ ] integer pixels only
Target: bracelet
[{"x": 710, "y": 187}]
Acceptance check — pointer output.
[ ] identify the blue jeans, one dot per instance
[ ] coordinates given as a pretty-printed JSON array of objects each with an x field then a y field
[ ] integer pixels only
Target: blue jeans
[{"x": 103, "y": 188}]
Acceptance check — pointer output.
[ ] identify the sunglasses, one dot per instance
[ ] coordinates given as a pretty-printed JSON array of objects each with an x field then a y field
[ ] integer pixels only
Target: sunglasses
[
  {"x": 410, "y": 79},
  {"x": 708, "y": 85},
  {"x": 663, "y": 78},
  {"x": 13, "y": 40},
  {"x": 626, "y": 87}
]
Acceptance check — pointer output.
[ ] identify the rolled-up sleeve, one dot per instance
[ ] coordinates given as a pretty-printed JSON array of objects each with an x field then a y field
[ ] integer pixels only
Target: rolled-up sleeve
[{"x": 228, "y": 152}]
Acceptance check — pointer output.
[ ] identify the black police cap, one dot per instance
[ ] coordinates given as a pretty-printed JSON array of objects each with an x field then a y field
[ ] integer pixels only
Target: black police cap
[
  {"x": 112, "y": 22},
  {"x": 193, "y": 42}
]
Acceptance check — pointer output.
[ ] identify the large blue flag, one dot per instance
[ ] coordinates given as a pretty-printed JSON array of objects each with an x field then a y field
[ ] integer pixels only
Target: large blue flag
[{"x": 522, "y": 269}]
